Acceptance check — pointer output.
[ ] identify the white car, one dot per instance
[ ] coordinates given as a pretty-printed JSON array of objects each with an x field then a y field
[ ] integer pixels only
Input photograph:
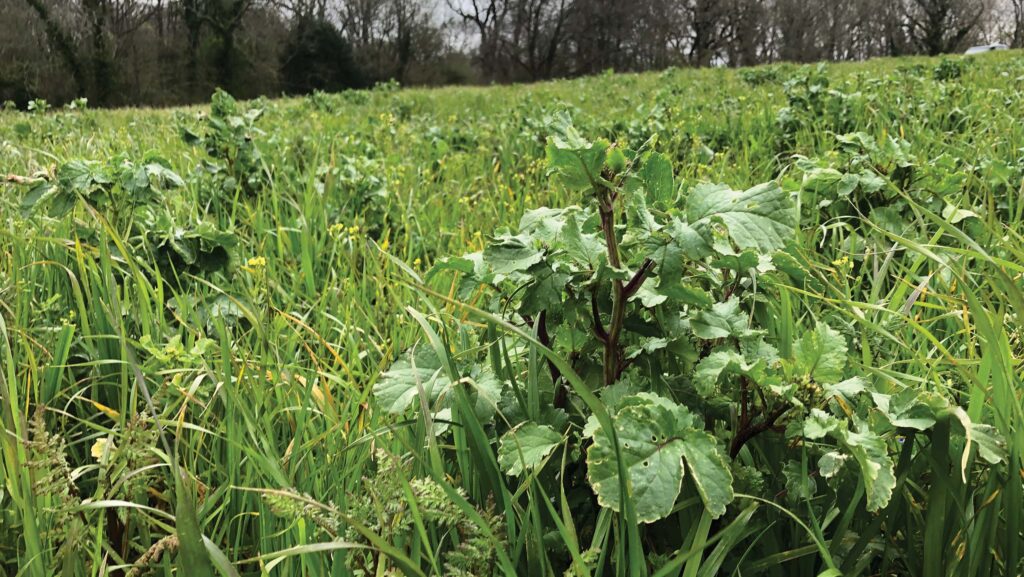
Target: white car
[{"x": 986, "y": 48}]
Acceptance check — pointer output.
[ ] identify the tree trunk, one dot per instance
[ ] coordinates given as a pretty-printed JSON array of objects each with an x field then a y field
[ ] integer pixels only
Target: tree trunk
[
  {"x": 193, "y": 20},
  {"x": 62, "y": 44},
  {"x": 226, "y": 58},
  {"x": 102, "y": 66}
]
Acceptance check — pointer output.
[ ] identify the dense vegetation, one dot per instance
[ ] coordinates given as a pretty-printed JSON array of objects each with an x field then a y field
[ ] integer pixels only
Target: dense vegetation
[{"x": 700, "y": 322}]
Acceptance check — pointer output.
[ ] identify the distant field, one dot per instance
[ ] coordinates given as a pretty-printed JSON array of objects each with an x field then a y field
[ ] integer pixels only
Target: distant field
[{"x": 250, "y": 323}]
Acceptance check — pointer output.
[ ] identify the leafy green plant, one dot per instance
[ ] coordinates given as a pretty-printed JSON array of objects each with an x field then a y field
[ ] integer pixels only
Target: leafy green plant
[
  {"x": 649, "y": 296},
  {"x": 78, "y": 104},
  {"x": 948, "y": 69},
  {"x": 38, "y": 106},
  {"x": 118, "y": 185},
  {"x": 229, "y": 139}
]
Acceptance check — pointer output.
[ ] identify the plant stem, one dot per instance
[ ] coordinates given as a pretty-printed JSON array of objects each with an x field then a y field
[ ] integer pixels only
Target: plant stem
[
  {"x": 612, "y": 354},
  {"x": 752, "y": 430}
]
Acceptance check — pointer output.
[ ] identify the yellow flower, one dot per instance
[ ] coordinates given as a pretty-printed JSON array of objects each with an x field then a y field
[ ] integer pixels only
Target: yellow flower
[
  {"x": 100, "y": 447},
  {"x": 337, "y": 228},
  {"x": 255, "y": 265},
  {"x": 416, "y": 263}
]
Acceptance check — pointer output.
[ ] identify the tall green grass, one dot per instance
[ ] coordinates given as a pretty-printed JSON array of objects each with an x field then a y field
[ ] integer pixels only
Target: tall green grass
[{"x": 131, "y": 415}]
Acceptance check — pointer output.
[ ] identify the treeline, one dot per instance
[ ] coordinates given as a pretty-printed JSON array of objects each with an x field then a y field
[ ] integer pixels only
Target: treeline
[{"x": 156, "y": 52}]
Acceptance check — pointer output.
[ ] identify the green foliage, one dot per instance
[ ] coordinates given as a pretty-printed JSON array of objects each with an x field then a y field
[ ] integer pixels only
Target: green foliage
[
  {"x": 526, "y": 447},
  {"x": 655, "y": 436},
  {"x": 948, "y": 69},
  {"x": 632, "y": 369},
  {"x": 228, "y": 137}
]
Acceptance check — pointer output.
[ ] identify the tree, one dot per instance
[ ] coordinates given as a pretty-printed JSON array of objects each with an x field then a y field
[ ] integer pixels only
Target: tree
[
  {"x": 706, "y": 20},
  {"x": 537, "y": 31},
  {"x": 61, "y": 42},
  {"x": 318, "y": 58},
  {"x": 225, "y": 17},
  {"x": 1017, "y": 7},
  {"x": 487, "y": 17},
  {"x": 941, "y": 26}
]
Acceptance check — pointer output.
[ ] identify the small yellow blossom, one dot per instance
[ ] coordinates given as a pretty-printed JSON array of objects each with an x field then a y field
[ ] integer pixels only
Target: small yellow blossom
[
  {"x": 416, "y": 263},
  {"x": 255, "y": 265},
  {"x": 100, "y": 447},
  {"x": 337, "y": 228}
]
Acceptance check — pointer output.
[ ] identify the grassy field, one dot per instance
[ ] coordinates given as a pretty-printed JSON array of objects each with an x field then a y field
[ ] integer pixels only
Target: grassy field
[{"x": 201, "y": 312}]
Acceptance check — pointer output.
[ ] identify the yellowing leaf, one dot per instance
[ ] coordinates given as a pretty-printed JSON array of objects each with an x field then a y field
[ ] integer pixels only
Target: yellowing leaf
[{"x": 106, "y": 410}]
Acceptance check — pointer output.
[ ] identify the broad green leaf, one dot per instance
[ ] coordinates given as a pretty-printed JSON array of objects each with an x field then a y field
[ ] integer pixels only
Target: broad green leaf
[
  {"x": 847, "y": 184},
  {"x": 848, "y": 389},
  {"x": 709, "y": 470},
  {"x": 830, "y": 463},
  {"x": 722, "y": 320},
  {"x": 82, "y": 176},
  {"x": 525, "y": 447},
  {"x": 657, "y": 177},
  {"x": 799, "y": 487},
  {"x": 870, "y": 182},
  {"x": 398, "y": 387},
  {"x": 740, "y": 263},
  {"x": 905, "y": 410},
  {"x": 40, "y": 193},
  {"x": 711, "y": 368},
  {"x": 647, "y": 345},
  {"x": 819, "y": 425},
  {"x": 655, "y": 435},
  {"x": 991, "y": 446},
  {"x": 544, "y": 224},
  {"x": 486, "y": 391},
  {"x": 821, "y": 180},
  {"x": 573, "y": 161},
  {"x": 821, "y": 354},
  {"x": 471, "y": 264},
  {"x": 652, "y": 458},
  {"x": 762, "y": 217},
  {"x": 648, "y": 296},
  {"x": 509, "y": 254},
  {"x": 756, "y": 349},
  {"x": 545, "y": 290},
  {"x": 585, "y": 248},
  {"x": 641, "y": 224},
  {"x": 689, "y": 240},
  {"x": 876, "y": 467},
  {"x": 955, "y": 215}
]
